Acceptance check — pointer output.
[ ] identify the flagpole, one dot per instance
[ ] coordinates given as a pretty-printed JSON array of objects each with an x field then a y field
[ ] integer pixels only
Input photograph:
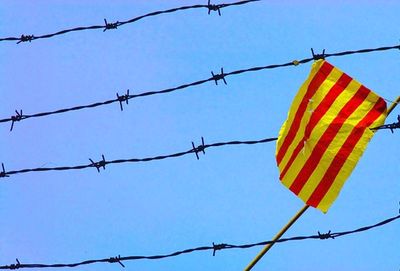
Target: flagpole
[
  {"x": 276, "y": 238},
  {"x": 296, "y": 216},
  {"x": 390, "y": 109}
]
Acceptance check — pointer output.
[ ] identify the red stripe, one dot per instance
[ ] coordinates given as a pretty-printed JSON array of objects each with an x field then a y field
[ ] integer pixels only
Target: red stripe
[
  {"x": 319, "y": 112},
  {"x": 327, "y": 138},
  {"x": 317, "y": 80},
  {"x": 344, "y": 152}
]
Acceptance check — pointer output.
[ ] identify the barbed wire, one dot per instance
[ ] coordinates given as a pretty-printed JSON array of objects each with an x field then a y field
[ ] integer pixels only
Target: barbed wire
[
  {"x": 215, "y": 247},
  {"x": 391, "y": 126},
  {"x": 108, "y": 26},
  {"x": 196, "y": 150},
  {"x": 19, "y": 116},
  {"x": 102, "y": 163}
]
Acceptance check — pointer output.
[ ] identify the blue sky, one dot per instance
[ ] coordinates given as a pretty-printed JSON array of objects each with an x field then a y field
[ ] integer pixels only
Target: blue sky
[{"x": 232, "y": 194}]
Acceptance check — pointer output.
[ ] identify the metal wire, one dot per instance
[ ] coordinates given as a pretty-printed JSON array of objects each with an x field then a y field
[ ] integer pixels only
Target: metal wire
[
  {"x": 102, "y": 163},
  {"x": 391, "y": 126},
  {"x": 118, "y": 259},
  {"x": 109, "y": 26},
  {"x": 215, "y": 77}
]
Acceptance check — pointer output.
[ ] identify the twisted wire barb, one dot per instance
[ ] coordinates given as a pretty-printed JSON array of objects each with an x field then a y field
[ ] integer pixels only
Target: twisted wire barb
[
  {"x": 102, "y": 163},
  {"x": 108, "y": 26},
  {"x": 391, "y": 126},
  {"x": 212, "y": 248},
  {"x": 214, "y": 77}
]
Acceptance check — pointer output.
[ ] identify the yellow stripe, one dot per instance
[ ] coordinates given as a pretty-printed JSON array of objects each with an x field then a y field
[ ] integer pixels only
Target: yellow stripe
[
  {"x": 350, "y": 163},
  {"x": 339, "y": 140},
  {"x": 315, "y": 101},
  {"x": 296, "y": 103}
]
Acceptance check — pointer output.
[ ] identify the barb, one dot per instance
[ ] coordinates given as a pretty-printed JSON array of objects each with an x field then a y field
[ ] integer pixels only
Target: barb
[
  {"x": 109, "y": 26},
  {"x": 200, "y": 148},
  {"x": 15, "y": 266},
  {"x": 115, "y": 25},
  {"x": 116, "y": 260},
  {"x": 219, "y": 247},
  {"x": 3, "y": 173},
  {"x": 26, "y": 38},
  {"x": 214, "y": 8},
  {"x": 214, "y": 78},
  {"x": 318, "y": 56},
  {"x": 213, "y": 248},
  {"x": 18, "y": 117},
  {"x": 327, "y": 235},
  {"x": 217, "y": 77},
  {"x": 103, "y": 162},
  {"x": 391, "y": 127},
  {"x": 123, "y": 98}
]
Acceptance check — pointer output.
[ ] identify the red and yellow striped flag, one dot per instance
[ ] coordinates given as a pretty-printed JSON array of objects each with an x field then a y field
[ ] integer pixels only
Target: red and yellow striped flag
[{"x": 325, "y": 134}]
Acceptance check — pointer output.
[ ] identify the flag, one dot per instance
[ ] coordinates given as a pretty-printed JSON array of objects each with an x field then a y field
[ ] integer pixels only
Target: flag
[{"x": 325, "y": 134}]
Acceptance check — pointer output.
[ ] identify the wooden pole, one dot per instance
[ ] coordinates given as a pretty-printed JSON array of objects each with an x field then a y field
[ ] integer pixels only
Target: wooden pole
[
  {"x": 390, "y": 109},
  {"x": 279, "y": 235},
  {"x": 296, "y": 216}
]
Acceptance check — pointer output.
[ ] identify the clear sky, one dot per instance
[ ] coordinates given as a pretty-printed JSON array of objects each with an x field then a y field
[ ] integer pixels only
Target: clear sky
[{"x": 232, "y": 194}]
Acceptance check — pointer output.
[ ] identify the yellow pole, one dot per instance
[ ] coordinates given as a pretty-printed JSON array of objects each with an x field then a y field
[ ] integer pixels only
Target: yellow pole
[
  {"x": 390, "y": 109},
  {"x": 297, "y": 216},
  {"x": 279, "y": 235}
]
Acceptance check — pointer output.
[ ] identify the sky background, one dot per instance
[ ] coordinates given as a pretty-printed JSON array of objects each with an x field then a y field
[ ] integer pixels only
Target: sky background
[{"x": 232, "y": 194}]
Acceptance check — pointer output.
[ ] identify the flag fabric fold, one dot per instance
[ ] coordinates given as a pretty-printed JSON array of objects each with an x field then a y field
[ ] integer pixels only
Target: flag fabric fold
[{"x": 325, "y": 134}]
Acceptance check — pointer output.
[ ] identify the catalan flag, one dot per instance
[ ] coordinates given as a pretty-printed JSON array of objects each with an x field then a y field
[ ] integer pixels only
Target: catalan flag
[{"x": 325, "y": 134}]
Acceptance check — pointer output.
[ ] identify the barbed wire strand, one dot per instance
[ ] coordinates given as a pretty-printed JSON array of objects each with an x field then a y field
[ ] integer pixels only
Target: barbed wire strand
[
  {"x": 391, "y": 126},
  {"x": 115, "y": 25},
  {"x": 102, "y": 163},
  {"x": 214, "y": 248},
  {"x": 215, "y": 77}
]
